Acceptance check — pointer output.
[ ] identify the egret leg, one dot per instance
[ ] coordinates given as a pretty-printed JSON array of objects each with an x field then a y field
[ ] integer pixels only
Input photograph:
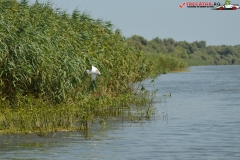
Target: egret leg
[{"x": 93, "y": 85}]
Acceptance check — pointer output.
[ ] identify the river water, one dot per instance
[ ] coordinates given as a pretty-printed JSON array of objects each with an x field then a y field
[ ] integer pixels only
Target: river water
[{"x": 201, "y": 120}]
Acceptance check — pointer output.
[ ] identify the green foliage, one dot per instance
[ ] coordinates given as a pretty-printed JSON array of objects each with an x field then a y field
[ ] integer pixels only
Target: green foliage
[
  {"x": 165, "y": 63},
  {"x": 45, "y": 52},
  {"x": 35, "y": 115},
  {"x": 195, "y": 53}
]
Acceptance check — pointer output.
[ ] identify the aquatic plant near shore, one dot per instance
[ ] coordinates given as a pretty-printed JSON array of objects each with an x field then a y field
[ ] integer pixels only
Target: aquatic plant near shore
[
  {"x": 35, "y": 115},
  {"x": 44, "y": 54}
]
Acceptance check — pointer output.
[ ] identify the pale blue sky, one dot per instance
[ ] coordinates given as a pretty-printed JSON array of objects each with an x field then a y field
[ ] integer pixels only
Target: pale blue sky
[{"x": 163, "y": 19}]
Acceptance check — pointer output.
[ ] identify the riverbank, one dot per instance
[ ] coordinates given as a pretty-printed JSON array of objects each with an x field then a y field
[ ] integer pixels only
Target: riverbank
[
  {"x": 45, "y": 53},
  {"x": 29, "y": 114},
  {"x": 41, "y": 117}
]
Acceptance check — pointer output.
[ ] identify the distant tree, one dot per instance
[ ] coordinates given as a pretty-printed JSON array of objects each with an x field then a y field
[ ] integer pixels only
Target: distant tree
[
  {"x": 168, "y": 41},
  {"x": 142, "y": 40},
  {"x": 200, "y": 44},
  {"x": 157, "y": 41},
  {"x": 197, "y": 51},
  {"x": 226, "y": 50}
]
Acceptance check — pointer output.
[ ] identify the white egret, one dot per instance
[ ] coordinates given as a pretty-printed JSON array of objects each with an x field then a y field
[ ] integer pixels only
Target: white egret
[{"x": 94, "y": 72}]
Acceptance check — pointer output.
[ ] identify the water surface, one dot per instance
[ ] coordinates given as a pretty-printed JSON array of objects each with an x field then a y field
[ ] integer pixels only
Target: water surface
[{"x": 200, "y": 121}]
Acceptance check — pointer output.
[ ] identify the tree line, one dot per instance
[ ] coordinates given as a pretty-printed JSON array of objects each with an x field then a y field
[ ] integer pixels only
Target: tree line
[{"x": 195, "y": 53}]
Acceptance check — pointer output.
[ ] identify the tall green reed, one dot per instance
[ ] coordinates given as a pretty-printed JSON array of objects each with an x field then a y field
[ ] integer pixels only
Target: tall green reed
[{"x": 44, "y": 54}]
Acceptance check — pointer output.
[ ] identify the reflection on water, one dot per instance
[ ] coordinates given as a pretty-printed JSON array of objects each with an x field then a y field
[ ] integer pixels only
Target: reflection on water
[{"x": 200, "y": 121}]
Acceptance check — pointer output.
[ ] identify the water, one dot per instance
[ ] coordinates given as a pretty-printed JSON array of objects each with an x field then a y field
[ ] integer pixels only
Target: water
[{"x": 200, "y": 121}]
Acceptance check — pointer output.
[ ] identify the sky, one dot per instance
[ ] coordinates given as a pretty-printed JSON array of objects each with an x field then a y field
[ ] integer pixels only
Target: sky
[{"x": 163, "y": 19}]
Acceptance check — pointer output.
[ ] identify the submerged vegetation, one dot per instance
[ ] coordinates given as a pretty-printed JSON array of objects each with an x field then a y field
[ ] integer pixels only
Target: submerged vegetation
[
  {"x": 44, "y": 54},
  {"x": 195, "y": 53}
]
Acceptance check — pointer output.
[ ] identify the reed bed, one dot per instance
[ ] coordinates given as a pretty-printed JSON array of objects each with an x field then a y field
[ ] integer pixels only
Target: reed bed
[
  {"x": 35, "y": 115},
  {"x": 44, "y": 54},
  {"x": 165, "y": 63}
]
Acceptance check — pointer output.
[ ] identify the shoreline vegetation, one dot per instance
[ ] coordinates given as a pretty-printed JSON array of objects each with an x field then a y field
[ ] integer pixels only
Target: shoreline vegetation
[{"x": 44, "y": 55}]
